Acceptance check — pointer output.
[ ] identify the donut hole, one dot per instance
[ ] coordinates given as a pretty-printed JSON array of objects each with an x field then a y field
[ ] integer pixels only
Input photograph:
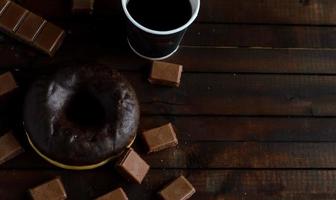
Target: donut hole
[{"x": 85, "y": 110}]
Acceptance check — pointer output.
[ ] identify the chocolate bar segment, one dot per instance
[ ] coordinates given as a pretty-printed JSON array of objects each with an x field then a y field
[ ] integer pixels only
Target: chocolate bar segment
[
  {"x": 49, "y": 38},
  {"x": 53, "y": 189},
  {"x": 30, "y": 27},
  {"x": 3, "y": 5},
  {"x": 7, "y": 83},
  {"x": 179, "y": 189},
  {"x": 12, "y": 17},
  {"x": 25, "y": 26},
  {"x": 9, "y": 147},
  {"x": 160, "y": 138},
  {"x": 132, "y": 166},
  {"x": 164, "y": 73},
  {"x": 117, "y": 194},
  {"x": 82, "y": 6}
]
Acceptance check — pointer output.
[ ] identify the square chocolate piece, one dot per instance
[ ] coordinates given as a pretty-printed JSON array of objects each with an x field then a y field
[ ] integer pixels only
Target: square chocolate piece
[
  {"x": 12, "y": 17},
  {"x": 51, "y": 190},
  {"x": 30, "y": 27},
  {"x": 117, "y": 194},
  {"x": 49, "y": 39},
  {"x": 82, "y": 6},
  {"x": 166, "y": 73},
  {"x": 9, "y": 147},
  {"x": 160, "y": 138},
  {"x": 7, "y": 83},
  {"x": 132, "y": 166},
  {"x": 179, "y": 189}
]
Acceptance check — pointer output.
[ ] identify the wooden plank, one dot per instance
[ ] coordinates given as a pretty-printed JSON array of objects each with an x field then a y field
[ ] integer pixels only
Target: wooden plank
[
  {"x": 87, "y": 44},
  {"x": 263, "y": 129},
  {"x": 249, "y": 60},
  {"x": 260, "y": 36},
  {"x": 216, "y": 35},
  {"x": 217, "y": 155},
  {"x": 237, "y": 94},
  {"x": 228, "y": 143},
  {"x": 87, "y": 39},
  {"x": 315, "y": 12},
  {"x": 232, "y": 94},
  {"x": 210, "y": 184},
  {"x": 194, "y": 59},
  {"x": 227, "y": 60},
  {"x": 234, "y": 60}
]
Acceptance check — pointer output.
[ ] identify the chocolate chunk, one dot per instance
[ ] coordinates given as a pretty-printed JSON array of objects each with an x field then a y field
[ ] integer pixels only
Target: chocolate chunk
[
  {"x": 53, "y": 189},
  {"x": 160, "y": 138},
  {"x": 117, "y": 194},
  {"x": 132, "y": 166},
  {"x": 179, "y": 189},
  {"x": 30, "y": 27},
  {"x": 25, "y": 26},
  {"x": 7, "y": 83},
  {"x": 9, "y": 147},
  {"x": 49, "y": 39},
  {"x": 3, "y": 5},
  {"x": 166, "y": 73},
  {"x": 12, "y": 17},
  {"x": 82, "y": 6}
]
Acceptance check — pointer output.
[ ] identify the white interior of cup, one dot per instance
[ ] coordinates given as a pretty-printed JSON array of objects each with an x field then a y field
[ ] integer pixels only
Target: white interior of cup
[{"x": 195, "y": 6}]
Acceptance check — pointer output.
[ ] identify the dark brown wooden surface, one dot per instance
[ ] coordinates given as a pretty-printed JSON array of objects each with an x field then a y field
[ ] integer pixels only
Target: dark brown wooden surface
[{"x": 255, "y": 113}]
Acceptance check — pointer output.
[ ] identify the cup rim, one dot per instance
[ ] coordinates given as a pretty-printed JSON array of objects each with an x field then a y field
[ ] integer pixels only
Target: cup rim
[{"x": 155, "y": 32}]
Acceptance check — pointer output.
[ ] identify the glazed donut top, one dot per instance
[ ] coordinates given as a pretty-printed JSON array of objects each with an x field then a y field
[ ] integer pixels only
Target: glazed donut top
[{"x": 81, "y": 116}]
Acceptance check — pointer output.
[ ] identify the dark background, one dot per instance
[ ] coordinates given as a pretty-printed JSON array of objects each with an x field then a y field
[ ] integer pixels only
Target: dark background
[{"x": 255, "y": 112}]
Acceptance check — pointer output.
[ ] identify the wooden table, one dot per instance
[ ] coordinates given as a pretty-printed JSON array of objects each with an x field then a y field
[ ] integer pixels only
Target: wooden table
[{"x": 255, "y": 112}]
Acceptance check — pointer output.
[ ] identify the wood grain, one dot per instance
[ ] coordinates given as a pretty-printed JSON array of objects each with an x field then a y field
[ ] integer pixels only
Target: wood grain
[
  {"x": 194, "y": 59},
  {"x": 237, "y": 94},
  {"x": 310, "y": 12},
  {"x": 315, "y": 12},
  {"x": 249, "y": 60},
  {"x": 230, "y": 60},
  {"x": 255, "y": 114},
  {"x": 217, "y": 155},
  {"x": 232, "y": 94},
  {"x": 86, "y": 43},
  {"x": 210, "y": 184},
  {"x": 244, "y": 129},
  {"x": 275, "y": 36}
]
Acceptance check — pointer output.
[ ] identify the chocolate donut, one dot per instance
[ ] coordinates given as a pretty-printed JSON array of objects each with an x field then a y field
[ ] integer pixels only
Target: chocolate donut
[{"x": 80, "y": 118}]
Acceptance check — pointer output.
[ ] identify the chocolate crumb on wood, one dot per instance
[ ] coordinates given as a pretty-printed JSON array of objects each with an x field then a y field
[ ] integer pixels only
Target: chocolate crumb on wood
[
  {"x": 9, "y": 147},
  {"x": 164, "y": 73},
  {"x": 25, "y": 26},
  {"x": 51, "y": 190},
  {"x": 179, "y": 189},
  {"x": 160, "y": 138},
  {"x": 7, "y": 83},
  {"x": 117, "y": 194},
  {"x": 132, "y": 166}
]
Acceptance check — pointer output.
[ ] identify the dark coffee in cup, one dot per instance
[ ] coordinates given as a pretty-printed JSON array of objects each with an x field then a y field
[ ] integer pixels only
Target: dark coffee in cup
[
  {"x": 161, "y": 15},
  {"x": 155, "y": 28}
]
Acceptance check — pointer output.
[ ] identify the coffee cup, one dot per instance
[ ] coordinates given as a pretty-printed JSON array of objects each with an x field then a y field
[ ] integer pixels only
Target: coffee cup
[{"x": 155, "y": 28}]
